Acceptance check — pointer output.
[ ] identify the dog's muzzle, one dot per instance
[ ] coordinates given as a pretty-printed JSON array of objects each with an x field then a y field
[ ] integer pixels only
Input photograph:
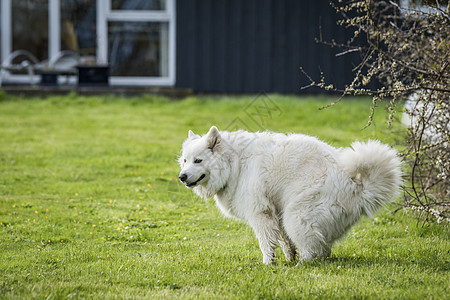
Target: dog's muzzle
[{"x": 183, "y": 178}]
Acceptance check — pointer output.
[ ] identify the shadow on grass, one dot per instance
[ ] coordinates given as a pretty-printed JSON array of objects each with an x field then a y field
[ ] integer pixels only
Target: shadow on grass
[{"x": 434, "y": 264}]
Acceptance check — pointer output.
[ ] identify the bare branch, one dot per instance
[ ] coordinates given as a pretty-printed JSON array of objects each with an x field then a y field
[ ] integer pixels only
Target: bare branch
[{"x": 409, "y": 52}]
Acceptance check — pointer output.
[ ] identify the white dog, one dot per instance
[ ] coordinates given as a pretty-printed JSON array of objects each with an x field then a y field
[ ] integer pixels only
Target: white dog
[{"x": 291, "y": 189}]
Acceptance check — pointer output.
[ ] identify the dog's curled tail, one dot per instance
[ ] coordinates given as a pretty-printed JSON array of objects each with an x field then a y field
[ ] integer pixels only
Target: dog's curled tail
[{"x": 376, "y": 168}]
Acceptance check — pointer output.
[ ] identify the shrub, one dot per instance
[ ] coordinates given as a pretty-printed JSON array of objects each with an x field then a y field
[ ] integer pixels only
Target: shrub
[{"x": 407, "y": 52}]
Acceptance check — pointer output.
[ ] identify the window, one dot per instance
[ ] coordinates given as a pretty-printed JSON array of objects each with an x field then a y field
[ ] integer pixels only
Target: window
[
  {"x": 78, "y": 27},
  {"x": 138, "y": 4},
  {"x": 140, "y": 41},
  {"x": 24, "y": 26},
  {"x": 30, "y": 27},
  {"x": 138, "y": 48},
  {"x": 136, "y": 38},
  {"x": 423, "y": 5}
]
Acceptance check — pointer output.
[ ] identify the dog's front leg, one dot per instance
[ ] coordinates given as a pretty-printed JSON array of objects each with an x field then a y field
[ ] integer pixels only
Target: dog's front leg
[{"x": 267, "y": 232}]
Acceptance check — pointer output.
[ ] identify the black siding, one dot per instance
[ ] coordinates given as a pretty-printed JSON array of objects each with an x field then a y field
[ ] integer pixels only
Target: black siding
[{"x": 256, "y": 46}]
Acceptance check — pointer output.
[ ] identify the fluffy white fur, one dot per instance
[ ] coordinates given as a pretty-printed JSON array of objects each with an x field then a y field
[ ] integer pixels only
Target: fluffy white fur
[{"x": 293, "y": 190}]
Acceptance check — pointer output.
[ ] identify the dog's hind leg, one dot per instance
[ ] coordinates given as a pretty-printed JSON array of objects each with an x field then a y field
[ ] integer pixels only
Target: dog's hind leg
[
  {"x": 287, "y": 246},
  {"x": 303, "y": 229},
  {"x": 308, "y": 240}
]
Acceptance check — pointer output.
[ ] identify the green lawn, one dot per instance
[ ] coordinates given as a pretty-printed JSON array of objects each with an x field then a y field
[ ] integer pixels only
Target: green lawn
[{"x": 90, "y": 206}]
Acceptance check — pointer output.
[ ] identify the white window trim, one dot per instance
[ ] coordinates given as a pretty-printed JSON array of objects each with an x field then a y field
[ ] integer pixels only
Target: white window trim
[
  {"x": 54, "y": 30},
  {"x": 6, "y": 23}
]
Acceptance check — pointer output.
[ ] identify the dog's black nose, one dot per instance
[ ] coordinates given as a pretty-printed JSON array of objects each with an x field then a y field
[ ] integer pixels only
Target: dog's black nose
[{"x": 182, "y": 177}]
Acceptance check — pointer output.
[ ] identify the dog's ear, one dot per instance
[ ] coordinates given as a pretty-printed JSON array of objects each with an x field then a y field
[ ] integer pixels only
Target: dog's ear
[
  {"x": 213, "y": 139},
  {"x": 191, "y": 134}
]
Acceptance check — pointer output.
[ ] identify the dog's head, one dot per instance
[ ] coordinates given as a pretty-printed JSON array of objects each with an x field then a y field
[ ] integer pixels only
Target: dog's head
[{"x": 202, "y": 162}]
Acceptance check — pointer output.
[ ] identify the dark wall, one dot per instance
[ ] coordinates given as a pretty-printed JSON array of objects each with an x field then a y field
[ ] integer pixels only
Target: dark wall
[{"x": 258, "y": 45}]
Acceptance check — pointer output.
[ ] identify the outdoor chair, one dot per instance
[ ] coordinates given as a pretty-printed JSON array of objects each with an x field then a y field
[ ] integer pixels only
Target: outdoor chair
[
  {"x": 63, "y": 63},
  {"x": 25, "y": 61}
]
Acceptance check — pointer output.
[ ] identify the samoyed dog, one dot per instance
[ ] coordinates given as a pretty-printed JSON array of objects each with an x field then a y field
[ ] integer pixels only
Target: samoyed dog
[{"x": 293, "y": 190}]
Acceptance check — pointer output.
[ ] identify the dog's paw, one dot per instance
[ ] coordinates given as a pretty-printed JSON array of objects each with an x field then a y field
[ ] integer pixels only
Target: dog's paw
[{"x": 268, "y": 260}]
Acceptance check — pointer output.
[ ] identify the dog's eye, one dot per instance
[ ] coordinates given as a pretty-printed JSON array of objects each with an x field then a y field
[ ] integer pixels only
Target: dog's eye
[
  {"x": 185, "y": 160},
  {"x": 197, "y": 161}
]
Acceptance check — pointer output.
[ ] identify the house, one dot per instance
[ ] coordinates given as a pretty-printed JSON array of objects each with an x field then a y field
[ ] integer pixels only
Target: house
[{"x": 208, "y": 46}]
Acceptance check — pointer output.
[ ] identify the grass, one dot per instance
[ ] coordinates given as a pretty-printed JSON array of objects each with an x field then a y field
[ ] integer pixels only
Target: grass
[{"x": 90, "y": 207}]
